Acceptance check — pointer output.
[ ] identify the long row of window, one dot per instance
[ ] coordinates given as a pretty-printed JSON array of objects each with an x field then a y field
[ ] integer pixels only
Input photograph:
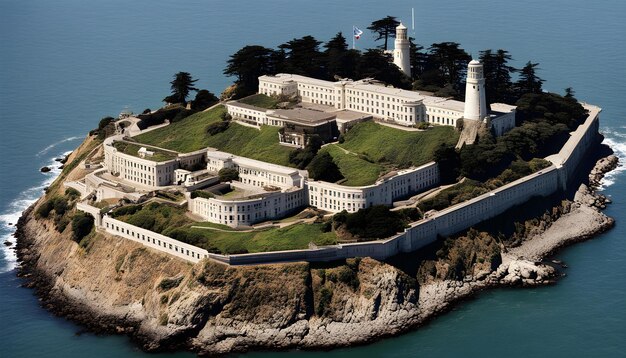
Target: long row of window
[{"x": 147, "y": 239}]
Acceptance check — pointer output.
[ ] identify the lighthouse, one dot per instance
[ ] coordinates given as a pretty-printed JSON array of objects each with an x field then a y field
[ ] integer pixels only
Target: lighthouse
[
  {"x": 401, "y": 54},
  {"x": 475, "y": 103}
]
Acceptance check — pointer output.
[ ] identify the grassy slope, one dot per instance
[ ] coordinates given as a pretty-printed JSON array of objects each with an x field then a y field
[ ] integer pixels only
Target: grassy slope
[
  {"x": 292, "y": 237},
  {"x": 133, "y": 149},
  {"x": 260, "y": 100},
  {"x": 185, "y": 136},
  {"x": 356, "y": 171},
  {"x": 190, "y": 134},
  {"x": 163, "y": 218},
  {"x": 403, "y": 148}
]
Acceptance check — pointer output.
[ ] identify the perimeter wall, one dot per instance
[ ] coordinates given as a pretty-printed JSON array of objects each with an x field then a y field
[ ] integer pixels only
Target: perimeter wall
[{"x": 421, "y": 233}]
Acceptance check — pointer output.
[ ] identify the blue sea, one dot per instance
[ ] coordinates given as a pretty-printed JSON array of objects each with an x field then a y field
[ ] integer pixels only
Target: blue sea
[{"x": 64, "y": 64}]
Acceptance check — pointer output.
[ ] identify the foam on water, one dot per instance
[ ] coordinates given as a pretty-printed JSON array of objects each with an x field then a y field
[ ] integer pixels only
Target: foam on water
[
  {"x": 616, "y": 139},
  {"x": 48, "y": 148},
  {"x": 9, "y": 218}
]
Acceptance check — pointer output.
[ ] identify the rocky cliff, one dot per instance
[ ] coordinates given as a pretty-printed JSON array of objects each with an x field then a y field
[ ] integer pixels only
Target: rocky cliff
[{"x": 114, "y": 285}]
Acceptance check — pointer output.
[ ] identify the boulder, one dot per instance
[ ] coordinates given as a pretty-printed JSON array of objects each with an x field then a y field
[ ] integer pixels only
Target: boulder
[{"x": 45, "y": 169}]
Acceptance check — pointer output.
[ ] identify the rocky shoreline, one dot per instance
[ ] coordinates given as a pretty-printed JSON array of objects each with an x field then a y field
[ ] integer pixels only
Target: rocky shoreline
[{"x": 116, "y": 286}]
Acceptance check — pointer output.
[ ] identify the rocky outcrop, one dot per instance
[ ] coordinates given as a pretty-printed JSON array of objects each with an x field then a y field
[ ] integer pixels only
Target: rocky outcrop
[
  {"x": 114, "y": 285},
  {"x": 602, "y": 167}
]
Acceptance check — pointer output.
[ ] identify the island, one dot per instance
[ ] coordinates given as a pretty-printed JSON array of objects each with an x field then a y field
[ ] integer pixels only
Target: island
[{"x": 312, "y": 212}]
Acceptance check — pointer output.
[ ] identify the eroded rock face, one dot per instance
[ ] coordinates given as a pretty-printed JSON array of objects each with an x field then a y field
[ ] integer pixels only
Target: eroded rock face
[
  {"x": 602, "y": 167},
  {"x": 114, "y": 285}
]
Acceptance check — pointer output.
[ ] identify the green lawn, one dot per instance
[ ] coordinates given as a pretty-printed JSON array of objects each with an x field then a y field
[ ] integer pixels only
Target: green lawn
[
  {"x": 190, "y": 134},
  {"x": 186, "y": 135},
  {"x": 172, "y": 221},
  {"x": 292, "y": 237},
  {"x": 252, "y": 143},
  {"x": 356, "y": 171},
  {"x": 260, "y": 100},
  {"x": 402, "y": 148},
  {"x": 132, "y": 149}
]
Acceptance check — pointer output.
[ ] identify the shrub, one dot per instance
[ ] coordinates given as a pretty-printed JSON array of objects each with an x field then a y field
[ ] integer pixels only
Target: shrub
[
  {"x": 82, "y": 223},
  {"x": 326, "y": 295},
  {"x": 125, "y": 210},
  {"x": 184, "y": 113},
  {"x": 60, "y": 223},
  {"x": 72, "y": 193},
  {"x": 322, "y": 167},
  {"x": 217, "y": 127},
  {"x": 201, "y": 194},
  {"x": 60, "y": 205},
  {"x": 374, "y": 222},
  {"x": 423, "y": 125},
  {"x": 45, "y": 208},
  {"x": 348, "y": 276},
  {"x": 228, "y": 174},
  {"x": 225, "y": 116},
  {"x": 105, "y": 122},
  {"x": 169, "y": 283},
  {"x": 204, "y": 99}
]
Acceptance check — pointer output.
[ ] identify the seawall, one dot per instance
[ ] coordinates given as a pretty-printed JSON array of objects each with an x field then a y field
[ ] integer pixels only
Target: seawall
[{"x": 421, "y": 233}]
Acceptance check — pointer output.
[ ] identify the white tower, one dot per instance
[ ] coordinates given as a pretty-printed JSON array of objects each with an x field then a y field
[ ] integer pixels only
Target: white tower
[
  {"x": 475, "y": 103},
  {"x": 401, "y": 52}
]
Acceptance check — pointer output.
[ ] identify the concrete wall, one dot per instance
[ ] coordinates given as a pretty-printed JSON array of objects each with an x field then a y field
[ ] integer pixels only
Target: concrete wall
[
  {"x": 153, "y": 240},
  {"x": 95, "y": 212},
  {"x": 444, "y": 223}
]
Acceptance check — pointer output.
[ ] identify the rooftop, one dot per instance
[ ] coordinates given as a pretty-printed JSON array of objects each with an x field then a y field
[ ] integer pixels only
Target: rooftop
[
  {"x": 251, "y": 163},
  {"x": 502, "y": 108},
  {"x": 302, "y": 115},
  {"x": 246, "y": 106}
]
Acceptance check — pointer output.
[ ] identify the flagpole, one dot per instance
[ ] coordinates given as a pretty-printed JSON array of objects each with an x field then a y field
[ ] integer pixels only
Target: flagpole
[{"x": 353, "y": 37}]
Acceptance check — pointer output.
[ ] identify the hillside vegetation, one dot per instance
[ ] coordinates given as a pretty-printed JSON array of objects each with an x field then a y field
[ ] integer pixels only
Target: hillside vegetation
[
  {"x": 355, "y": 170},
  {"x": 260, "y": 100},
  {"x": 402, "y": 148},
  {"x": 171, "y": 221},
  {"x": 191, "y": 134}
]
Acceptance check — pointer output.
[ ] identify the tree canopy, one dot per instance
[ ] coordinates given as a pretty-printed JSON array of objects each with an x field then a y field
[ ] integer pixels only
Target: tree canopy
[
  {"x": 248, "y": 64},
  {"x": 439, "y": 68},
  {"x": 384, "y": 29},
  {"x": 528, "y": 81},
  {"x": 181, "y": 85},
  {"x": 498, "y": 84}
]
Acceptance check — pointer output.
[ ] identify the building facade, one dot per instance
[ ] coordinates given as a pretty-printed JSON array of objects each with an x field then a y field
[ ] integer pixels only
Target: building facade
[
  {"x": 396, "y": 185},
  {"x": 386, "y": 103},
  {"x": 401, "y": 51}
]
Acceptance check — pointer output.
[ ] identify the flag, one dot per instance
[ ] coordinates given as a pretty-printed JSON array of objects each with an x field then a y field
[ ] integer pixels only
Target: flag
[{"x": 357, "y": 32}]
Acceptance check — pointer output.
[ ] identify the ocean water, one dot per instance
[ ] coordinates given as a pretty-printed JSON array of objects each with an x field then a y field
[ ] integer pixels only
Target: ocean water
[{"x": 65, "y": 64}]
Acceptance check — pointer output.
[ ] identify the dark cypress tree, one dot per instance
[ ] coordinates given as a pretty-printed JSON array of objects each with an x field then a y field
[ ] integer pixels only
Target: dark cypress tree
[
  {"x": 248, "y": 64},
  {"x": 384, "y": 29},
  {"x": 181, "y": 86},
  {"x": 528, "y": 81},
  {"x": 499, "y": 86},
  {"x": 302, "y": 57}
]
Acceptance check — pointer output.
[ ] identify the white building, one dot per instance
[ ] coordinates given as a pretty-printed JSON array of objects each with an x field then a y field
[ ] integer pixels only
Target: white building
[
  {"x": 248, "y": 209},
  {"x": 401, "y": 51},
  {"x": 395, "y": 185},
  {"x": 387, "y": 103},
  {"x": 475, "y": 102},
  {"x": 134, "y": 169},
  {"x": 255, "y": 172},
  {"x": 263, "y": 192}
]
